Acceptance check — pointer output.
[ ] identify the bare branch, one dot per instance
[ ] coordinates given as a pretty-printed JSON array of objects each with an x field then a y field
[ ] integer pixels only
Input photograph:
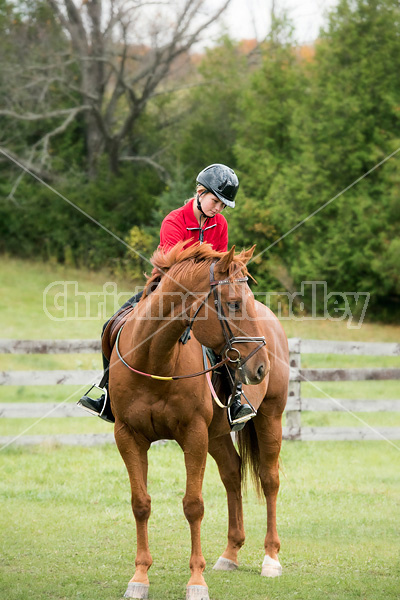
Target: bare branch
[
  {"x": 163, "y": 173},
  {"x": 49, "y": 67},
  {"x": 194, "y": 37},
  {"x": 73, "y": 24},
  {"x": 41, "y": 117},
  {"x": 120, "y": 86},
  {"x": 27, "y": 165},
  {"x": 102, "y": 125},
  {"x": 163, "y": 57},
  {"x": 44, "y": 141}
]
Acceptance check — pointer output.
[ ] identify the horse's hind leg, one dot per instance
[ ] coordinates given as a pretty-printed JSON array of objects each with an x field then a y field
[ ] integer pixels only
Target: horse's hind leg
[
  {"x": 194, "y": 445},
  {"x": 228, "y": 461},
  {"x": 134, "y": 455},
  {"x": 269, "y": 434}
]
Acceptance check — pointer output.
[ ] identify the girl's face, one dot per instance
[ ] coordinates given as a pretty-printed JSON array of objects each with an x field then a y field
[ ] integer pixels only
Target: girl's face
[{"x": 211, "y": 205}]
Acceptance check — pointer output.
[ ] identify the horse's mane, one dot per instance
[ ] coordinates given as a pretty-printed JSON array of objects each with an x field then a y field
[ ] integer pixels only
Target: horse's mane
[{"x": 186, "y": 259}]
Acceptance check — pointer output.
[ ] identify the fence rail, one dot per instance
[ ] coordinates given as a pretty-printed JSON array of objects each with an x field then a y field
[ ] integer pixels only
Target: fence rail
[{"x": 295, "y": 406}]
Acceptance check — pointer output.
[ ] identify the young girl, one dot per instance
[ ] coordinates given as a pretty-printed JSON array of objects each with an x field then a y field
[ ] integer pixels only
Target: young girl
[{"x": 199, "y": 220}]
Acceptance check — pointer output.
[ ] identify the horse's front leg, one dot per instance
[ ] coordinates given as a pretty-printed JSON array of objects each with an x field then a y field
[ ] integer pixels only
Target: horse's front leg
[
  {"x": 134, "y": 454},
  {"x": 194, "y": 446},
  {"x": 228, "y": 461}
]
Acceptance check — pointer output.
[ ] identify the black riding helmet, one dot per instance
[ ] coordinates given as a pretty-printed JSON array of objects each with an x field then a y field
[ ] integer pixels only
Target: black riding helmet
[{"x": 221, "y": 181}]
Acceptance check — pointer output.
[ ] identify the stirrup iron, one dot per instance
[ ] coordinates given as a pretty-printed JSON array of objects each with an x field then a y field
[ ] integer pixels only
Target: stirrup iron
[{"x": 103, "y": 392}]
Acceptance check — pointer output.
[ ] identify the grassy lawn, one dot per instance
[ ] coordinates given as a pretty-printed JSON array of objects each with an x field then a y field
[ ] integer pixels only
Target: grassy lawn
[
  {"x": 68, "y": 531},
  {"x": 24, "y": 298}
]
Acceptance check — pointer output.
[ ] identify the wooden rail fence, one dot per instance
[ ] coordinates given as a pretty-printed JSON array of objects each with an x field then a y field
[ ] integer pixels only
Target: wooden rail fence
[{"x": 295, "y": 406}]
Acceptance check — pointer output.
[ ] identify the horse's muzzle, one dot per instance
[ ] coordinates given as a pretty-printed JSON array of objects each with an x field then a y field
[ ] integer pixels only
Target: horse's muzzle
[{"x": 254, "y": 375}]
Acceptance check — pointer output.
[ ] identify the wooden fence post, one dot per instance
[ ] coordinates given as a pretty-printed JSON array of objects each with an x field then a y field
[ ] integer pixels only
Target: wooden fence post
[{"x": 293, "y": 416}]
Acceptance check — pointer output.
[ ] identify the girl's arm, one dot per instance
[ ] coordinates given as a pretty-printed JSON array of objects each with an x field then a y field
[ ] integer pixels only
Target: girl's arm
[{"x": 170, "y": 233}]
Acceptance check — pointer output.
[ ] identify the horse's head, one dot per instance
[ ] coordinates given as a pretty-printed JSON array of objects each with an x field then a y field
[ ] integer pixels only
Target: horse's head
[
  {"x": 219, "y": 305},
  {"x": 229, "y": 323}
]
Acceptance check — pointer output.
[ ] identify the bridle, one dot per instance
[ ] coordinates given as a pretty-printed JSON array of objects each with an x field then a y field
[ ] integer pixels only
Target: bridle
[{"x": 230, "y": 338}]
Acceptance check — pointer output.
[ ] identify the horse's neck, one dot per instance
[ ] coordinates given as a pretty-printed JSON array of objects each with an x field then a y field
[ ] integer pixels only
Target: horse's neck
[{"x": 157, "y": 328}]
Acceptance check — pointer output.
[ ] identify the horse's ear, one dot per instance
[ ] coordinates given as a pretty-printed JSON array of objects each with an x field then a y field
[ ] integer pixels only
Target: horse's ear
[
  {"x": 248, "y": 254},
  {"x": 225, "y": 261}
]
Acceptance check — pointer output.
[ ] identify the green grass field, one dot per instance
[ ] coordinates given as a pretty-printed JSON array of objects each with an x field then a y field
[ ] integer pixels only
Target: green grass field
[{"x": 67, "y": 531}]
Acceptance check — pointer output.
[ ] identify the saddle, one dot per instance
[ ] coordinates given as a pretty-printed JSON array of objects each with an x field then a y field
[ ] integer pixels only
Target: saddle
[
  {"x": 118, "y": 320},
  {"x": 113, "y": 326}
]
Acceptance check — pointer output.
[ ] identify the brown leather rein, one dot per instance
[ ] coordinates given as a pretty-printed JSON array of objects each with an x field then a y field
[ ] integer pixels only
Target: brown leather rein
[{"x": 230, "y": 339}]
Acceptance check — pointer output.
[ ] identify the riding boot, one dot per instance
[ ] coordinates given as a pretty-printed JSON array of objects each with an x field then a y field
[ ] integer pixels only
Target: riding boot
[{"x": 238, "y": 413}]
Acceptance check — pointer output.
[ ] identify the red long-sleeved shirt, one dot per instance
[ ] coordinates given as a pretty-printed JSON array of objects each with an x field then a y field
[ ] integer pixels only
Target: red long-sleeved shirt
[{"x": 181, "y": 224}]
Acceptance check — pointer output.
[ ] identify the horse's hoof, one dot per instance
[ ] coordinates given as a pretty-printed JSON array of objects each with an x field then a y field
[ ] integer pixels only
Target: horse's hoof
[
  {"x": 137, "y": 590},
  {"x": 224, "y": 564},
  {"x": 271, "y": 567},
  {"x": 197, "y": 592}
]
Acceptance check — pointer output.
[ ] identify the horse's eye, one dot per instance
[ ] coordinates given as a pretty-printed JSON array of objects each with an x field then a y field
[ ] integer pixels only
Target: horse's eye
[{"x": 234, "y": 306}]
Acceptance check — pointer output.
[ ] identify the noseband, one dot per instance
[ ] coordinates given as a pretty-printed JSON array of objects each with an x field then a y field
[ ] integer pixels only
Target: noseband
[{"x": 230, "y": 339}]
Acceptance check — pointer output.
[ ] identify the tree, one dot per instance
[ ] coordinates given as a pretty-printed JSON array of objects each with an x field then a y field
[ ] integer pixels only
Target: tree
[
  {"x": 265, "y": 145},
  {"x": 105, "y": 61},
  {"x": 34, "y": 108},
  {"x": 354, "y": 123},
  {"x": 208, "y": 131},
  {"x": 310, "y": 129}
]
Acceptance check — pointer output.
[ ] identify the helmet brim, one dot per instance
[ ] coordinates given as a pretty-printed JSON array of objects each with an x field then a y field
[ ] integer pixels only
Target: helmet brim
[{"x": 230, "y": 203}]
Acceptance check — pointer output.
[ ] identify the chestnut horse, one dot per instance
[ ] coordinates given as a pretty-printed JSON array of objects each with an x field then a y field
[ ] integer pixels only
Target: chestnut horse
[{"x": 147, "y": 409}]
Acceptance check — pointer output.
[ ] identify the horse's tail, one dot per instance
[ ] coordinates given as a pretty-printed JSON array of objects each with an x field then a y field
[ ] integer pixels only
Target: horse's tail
[{"x": 249, "y": 451}]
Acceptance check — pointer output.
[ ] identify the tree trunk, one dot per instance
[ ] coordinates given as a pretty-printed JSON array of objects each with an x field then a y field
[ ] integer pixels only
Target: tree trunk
[
  {"x": 113, "y": 156},
  {"x": 94, "y": 143},
  {"x": 93, "y": 85}
]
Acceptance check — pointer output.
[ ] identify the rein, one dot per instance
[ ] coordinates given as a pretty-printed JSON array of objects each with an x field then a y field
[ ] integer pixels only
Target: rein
[
  {"x": 230, "y": 339},
  {"x": 172, "y": 377}
]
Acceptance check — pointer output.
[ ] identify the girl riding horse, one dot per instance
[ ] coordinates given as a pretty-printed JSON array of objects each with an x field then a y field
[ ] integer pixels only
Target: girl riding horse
[{"x": 198, "y": 220}]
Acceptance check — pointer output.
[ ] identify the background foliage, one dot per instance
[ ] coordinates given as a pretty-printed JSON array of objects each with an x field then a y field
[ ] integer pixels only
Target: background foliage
[{"x": 298, "y": 124}]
